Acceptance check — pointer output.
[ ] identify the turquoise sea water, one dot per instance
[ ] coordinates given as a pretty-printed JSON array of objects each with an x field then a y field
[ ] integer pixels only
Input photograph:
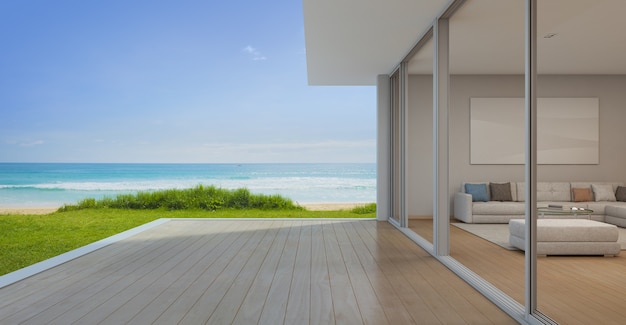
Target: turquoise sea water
[{"x": 55, "y": 184}]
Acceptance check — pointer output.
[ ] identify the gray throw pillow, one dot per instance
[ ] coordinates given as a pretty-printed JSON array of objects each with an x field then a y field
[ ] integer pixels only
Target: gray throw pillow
[{"x": 500, "y": 191}]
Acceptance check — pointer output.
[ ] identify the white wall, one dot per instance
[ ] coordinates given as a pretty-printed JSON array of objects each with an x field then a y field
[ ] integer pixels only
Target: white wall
[
  {"x": 420, "y": 146},
  {"x": 383, "y": 153},
  {"x": 611, "y": 91}
]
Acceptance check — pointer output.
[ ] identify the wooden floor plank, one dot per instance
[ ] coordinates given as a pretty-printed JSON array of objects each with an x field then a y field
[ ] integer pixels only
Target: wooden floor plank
[
  {"x": 121, "y": 295},
  {"x": 58, "y": 299},
  {"x": 571, "y": 289},
  {"x": 321, "y": 297},
  {"x": 21, "y": 290},
  {"x": 371, "y": 287},
  {"x": 299, "y": 302},
  {"x": 459, "y": 297},
  {"x": 232, "y": 300},
  {"x": 54, "y": 278},
  {"x": 253, "y": 272},
  {"x": 373, "y": 256},
  {"x": 206, "y": 304},
  {"x": 131, "y": 305},
  {"x": 163, "y": 300},
  {"x": 418, "y": 283},
  {"x": 132, "y": 278},
  {"x": 345, "y": 303},
  {"x": 252, "y": 305},
  {"x": 174, "y": 312},
  {"x": 428, "y": 270},
  {"x": 433, "y": 296},
  {"x": 275, "y": 305}
]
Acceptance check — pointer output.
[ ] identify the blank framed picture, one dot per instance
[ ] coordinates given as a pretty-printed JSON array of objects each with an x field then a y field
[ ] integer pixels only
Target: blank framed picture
[{"x": 567, "y": 131}]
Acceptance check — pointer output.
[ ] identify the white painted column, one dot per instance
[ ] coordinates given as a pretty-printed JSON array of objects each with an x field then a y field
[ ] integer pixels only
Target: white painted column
[
  {"x": 441, "y": 86},
  {"x": 383, "y": 148}
]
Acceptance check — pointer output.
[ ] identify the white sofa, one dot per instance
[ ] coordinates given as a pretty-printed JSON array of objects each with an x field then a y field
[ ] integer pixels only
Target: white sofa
[{"x": 606, "y": 207}]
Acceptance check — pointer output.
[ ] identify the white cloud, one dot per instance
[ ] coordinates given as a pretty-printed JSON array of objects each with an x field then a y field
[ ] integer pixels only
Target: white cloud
[
  {"x": 32, "y": 143},
  {"x": 294, "y": 146},
  {"x": 23, "y": 142},
  {"x": 256, "y": 55},
  {"x": 290, "y": 152}
]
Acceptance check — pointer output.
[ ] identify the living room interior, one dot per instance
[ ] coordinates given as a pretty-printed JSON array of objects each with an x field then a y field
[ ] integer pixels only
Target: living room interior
[{"x": 580, "y": 55}]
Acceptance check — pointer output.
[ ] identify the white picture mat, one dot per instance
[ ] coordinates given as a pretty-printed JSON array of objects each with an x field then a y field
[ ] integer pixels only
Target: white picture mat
[{"x": 567, "y": 131}]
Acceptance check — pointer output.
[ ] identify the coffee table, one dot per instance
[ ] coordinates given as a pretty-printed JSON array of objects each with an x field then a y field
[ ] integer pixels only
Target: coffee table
[{"x": 544, "y": 211}]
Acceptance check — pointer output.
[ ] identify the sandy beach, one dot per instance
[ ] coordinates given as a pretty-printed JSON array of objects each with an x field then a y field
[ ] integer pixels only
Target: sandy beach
[
  {"x": 308, "y": 206},
  {"x": 27, "y": 210},
  {"x": 330, "y": 206}
]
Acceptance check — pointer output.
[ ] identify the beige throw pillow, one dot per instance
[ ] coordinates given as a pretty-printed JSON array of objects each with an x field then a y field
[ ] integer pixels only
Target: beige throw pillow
[{"x": 603, "y": 192}]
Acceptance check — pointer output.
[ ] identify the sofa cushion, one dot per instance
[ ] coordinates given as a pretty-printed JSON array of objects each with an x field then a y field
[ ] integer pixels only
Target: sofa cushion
[
  {"x": 521, "y": 193},
  {"x": 500, "y": 191},
  {"x": 599, "y": 208},
  {"x": 603, "y": 192},
  {"x": 477, "y": 191},
  {"x": 553, "y": 191},
  {"x": 618, "y": 210},
  {"x": 498, "y": 208},
  {"x": 547, "y": 191},
  {"x": 620, "y": 194},
  {"x": 581, "y": 194}
]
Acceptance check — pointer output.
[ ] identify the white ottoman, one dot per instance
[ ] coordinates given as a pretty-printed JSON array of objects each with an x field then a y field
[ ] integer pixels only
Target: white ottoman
[{"x": 568, "y": 237}]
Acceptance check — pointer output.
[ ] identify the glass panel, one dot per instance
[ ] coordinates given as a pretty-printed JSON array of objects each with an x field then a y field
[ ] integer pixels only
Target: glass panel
[
  {"x": 487, "y": 139},
  {"x": 420, "y": 142},
  {"x": 581, "y": 55}
]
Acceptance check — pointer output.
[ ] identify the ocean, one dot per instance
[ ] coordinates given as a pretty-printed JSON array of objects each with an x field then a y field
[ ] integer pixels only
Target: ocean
[{"x": 55, "y": 184}]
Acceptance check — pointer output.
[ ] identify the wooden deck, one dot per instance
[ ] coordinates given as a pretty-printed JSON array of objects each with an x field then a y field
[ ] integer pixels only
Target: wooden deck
[
  {"x": 572, "y": 289},
  {"x": 251, "y": 272}
]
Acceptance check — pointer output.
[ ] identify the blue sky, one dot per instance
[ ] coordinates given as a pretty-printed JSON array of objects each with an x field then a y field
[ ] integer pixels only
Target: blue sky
[{"x": 170, "y": 81}]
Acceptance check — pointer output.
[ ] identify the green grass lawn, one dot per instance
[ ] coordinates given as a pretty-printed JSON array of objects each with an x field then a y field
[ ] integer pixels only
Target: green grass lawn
[{"x": 28, "y": 239}]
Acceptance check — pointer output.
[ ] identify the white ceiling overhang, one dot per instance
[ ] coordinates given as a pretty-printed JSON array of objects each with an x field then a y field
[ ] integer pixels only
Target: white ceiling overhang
[{"x": 350, "y": 42}]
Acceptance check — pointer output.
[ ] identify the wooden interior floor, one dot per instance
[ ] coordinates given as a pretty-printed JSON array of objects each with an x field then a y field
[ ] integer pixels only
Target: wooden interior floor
[
  {"x": 251, "y": 272},
  {"x": 571, "y": 289}
]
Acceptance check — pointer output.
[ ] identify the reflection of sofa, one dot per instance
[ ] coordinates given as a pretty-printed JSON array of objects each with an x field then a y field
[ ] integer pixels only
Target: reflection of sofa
[{"x": 499, "y": 202}]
